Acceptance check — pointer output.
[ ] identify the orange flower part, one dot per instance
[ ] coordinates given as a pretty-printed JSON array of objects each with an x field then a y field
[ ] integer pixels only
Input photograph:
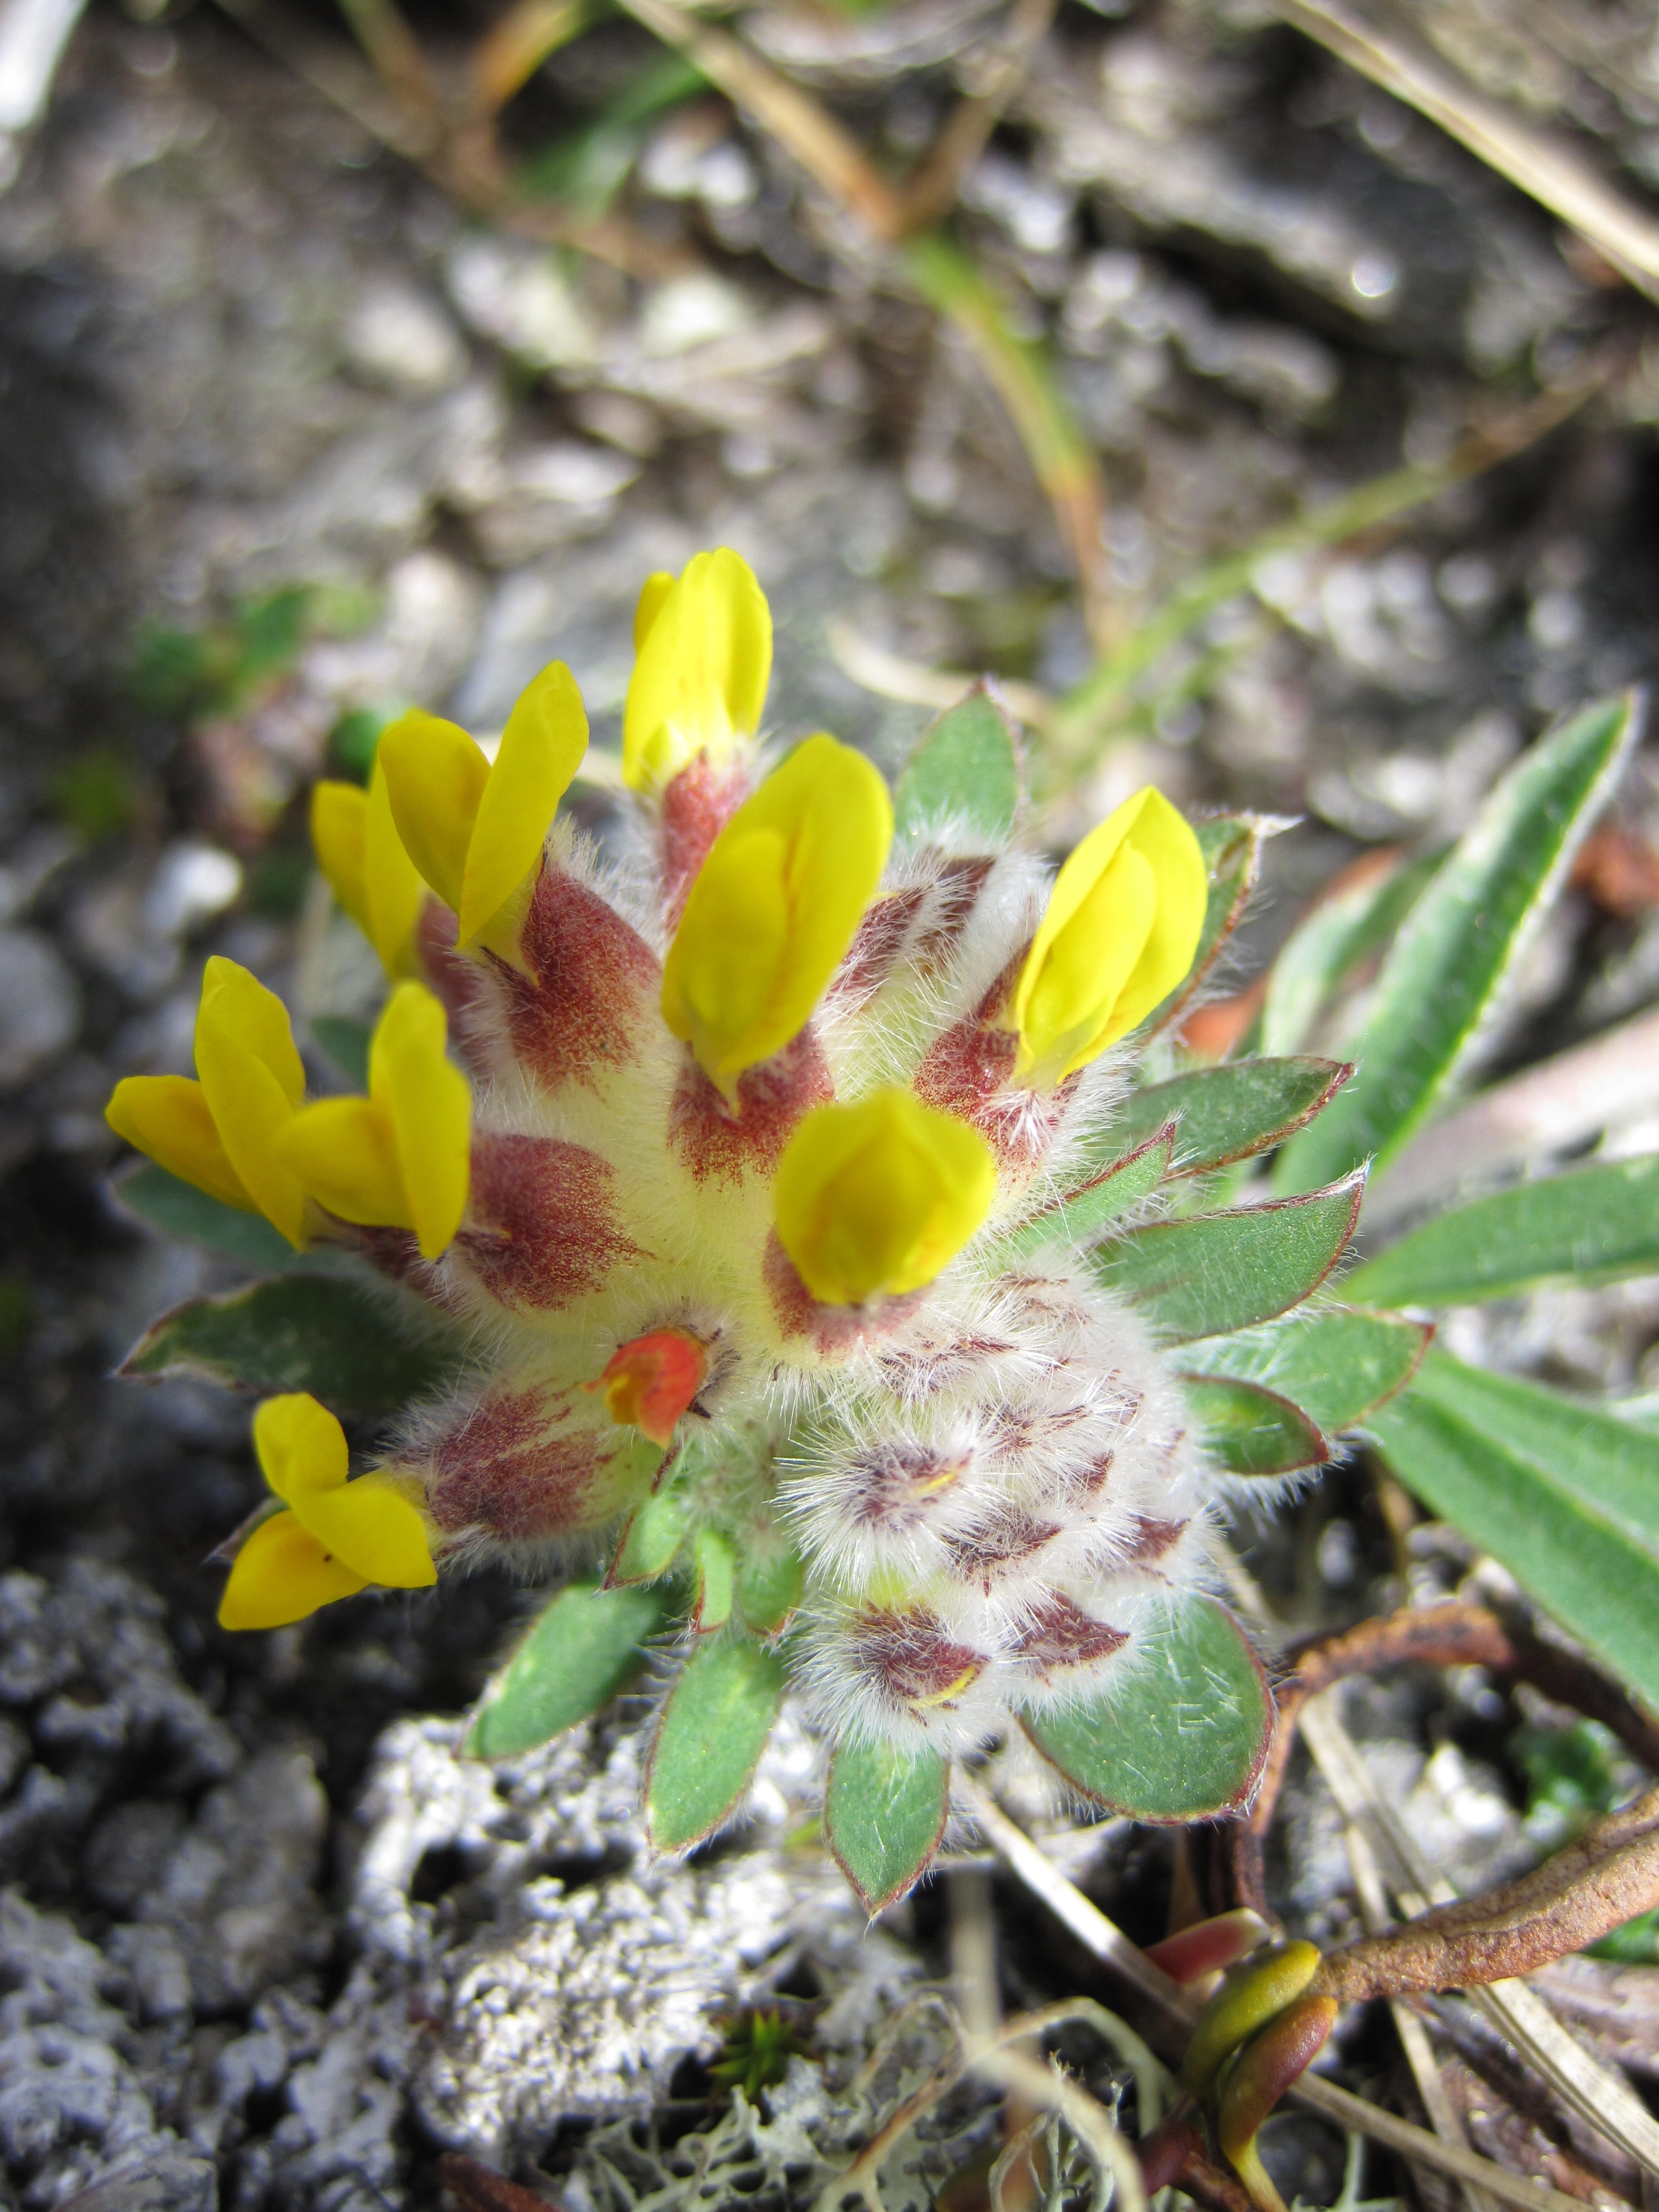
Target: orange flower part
[{"x": 650, "y": 1382}]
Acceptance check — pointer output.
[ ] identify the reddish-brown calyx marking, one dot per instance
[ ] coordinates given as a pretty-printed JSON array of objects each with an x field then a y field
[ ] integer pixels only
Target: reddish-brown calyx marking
[{"x": 651, "y": 1380}]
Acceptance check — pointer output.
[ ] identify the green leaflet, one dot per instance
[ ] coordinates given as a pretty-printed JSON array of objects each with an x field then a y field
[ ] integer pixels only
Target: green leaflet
[
  {"x": 716, "y": 1564},
  {"x": 346, "y": 1042},
  {"x": 1337, "y": 1363},
  {"x": 651, "y": 1541},
  {"x": 1456, "y": 944},
  {"x": 1323, "y": 952},
  {"x": 1534, "y": 1510},
  {"x": 1083, "y": 1213},
  {"x": 713, "y": 1731},
  {"x": 769, "y": 1589},
  {"x": 1595, "y": 1223},
  {"x": 316, "y": 1332},
  {"x": 884, "y": 1813},
  {"x": 1231, "y": 846},
  {"x": 1217, "y": 1271},
  {"x": 163, "y": 1201},
  {"x": 1608, "y": 1465},
  {"x": 1230, "y": 1112},
  {"x": 966, "y": 771},
  {"x": 1252, "y": 1430},
  {"x": 1184, "y": 1736},
  {"x": 580, "y": 1651}
]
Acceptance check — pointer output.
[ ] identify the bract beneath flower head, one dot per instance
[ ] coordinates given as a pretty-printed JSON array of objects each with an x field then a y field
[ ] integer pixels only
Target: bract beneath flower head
[
  {"x": 704, "y": 646},
  {"x": 1119, "y": 933},
  {"x": 336, "y": 1537},
  {"x": 475, "y": 831},
  {"x": 875, "y": 1198},
  {"x": 774, "y": 907},
  {"x": 400, "y": 1157}
]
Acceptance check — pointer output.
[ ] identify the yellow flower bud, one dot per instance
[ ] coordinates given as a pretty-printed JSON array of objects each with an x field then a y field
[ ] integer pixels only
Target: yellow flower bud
[
  {"x": 401, "y": 1158},
  {"x": 360, "y": 852},
  {"x": 223, "y": 1134},
  {"x": 475, "y": 831},
  {"x": 704, "y": 646},
  {"x": 874, "y": 1199},
  {"x": 335, "y": 1538},
  {"x": 774, "y": 907},
  {"x": 1121, "y": 931}
]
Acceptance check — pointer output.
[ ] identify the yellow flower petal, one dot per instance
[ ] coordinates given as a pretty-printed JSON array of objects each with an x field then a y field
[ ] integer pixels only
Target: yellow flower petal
[
  {"x": 654, "y": 590},
  {"x": 368, "y": 1525},
  {"x": 394, "y": 890},
  {"x": 1119, "y": 933},
  {"x": 435, "y": 776},
  {"x": 282, "y": 1574},
  {"x": 774, "y": 907},
  {"x": 167, "y": 1116},
  {"x": 875, "y": 1198},
  {"x": 704, "y": 643},
  {"x": 343, "y": 1150},
  {"x": 429, "y": 1105},
  {"x": 541, "y": 750},
  {"x": 299, "y": 1446},
  {"x": 339, "y": 815},
  {"x": 252, "y": 1080}
]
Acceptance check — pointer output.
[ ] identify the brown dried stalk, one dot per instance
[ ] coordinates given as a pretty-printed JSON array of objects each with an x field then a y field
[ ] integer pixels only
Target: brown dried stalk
[
  {"x": 1609, "y": 1875},
  {"x": 1451, "y": 1635}
]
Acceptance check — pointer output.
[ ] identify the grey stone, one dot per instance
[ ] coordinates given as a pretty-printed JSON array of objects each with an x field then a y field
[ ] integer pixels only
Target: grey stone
[
  {"x": 153, "y": 2181},
  {"x": 40, "y": 1005},
  {"x": 401, "y": 338},
  {"x": 238, "y": 1895}
]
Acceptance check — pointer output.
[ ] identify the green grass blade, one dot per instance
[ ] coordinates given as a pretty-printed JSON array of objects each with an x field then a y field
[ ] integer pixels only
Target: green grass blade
[
  {"x": 1574, "y": 1561},
  {"x": 1450, "y": 958},
  {"x": 1323, "y": 952},
  {"x": 1593, "y": 1224}
]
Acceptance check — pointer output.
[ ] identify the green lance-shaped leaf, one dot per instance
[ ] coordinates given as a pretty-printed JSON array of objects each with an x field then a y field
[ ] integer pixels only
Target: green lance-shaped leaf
[
  {"x": 1611, "y": 1466},
  {"x": 581, "y": 1650},
  {"x": 1325, "y": 950},
  {"x": 1535, "y": 1508},
  {"x": 1217, "y": 1271},
  {"x": 1595, "y": 1224},
  {"x": 1252, "y": 1430},
  {"x": 316, "y": 1332},
  {"x": 1460, "y": 940},
  {"x": 713, "y": 1731},
  {"x": 1231, "y": 1112},
  {"x": 1084, "y": 1212},
  {"x": 1231, "y": 846},
  {"x": 163, "y": 1201},
  {"x": 965, "y": 772},
  {"x": 714, "y": 1565},
  {"x": 1182, "y": 1737},
  {"x": 1339, "y": 1364},
  {"x": 884, "y": 1813}
]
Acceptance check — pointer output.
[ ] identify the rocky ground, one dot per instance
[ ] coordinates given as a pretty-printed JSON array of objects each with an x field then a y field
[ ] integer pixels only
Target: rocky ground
[{"x": 268, "y": 1940}]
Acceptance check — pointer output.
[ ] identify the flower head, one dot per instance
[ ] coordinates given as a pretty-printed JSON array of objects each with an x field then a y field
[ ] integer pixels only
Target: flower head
[
  {"x": 774, "y": 907},
  {"x": 360, "y": 852},
  {"x": 704, "y": 646},
  {"x": 873, "y": 1199},
  {"x": 335, "y": 1538},
  {"x": 474, "y": 830},
  {"x": 1120, "y": 932},
  {"x": 223, "y": 1131},
  {"x": 398, "y": 1158}
]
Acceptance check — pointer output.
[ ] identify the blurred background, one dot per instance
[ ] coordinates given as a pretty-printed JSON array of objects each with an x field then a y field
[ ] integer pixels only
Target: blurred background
[{"x": 1266, "y": 395}]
